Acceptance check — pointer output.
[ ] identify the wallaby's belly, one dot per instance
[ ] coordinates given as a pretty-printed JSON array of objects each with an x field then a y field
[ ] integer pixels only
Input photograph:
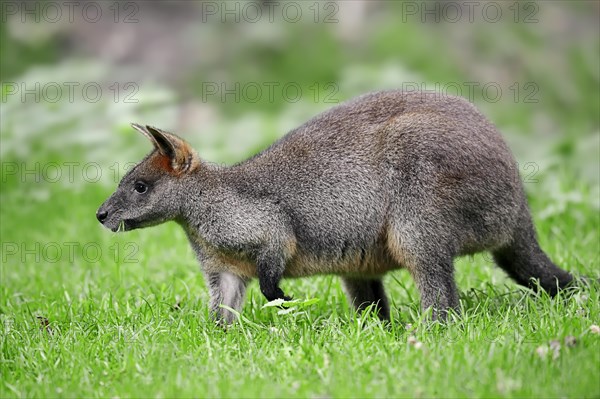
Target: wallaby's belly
[
  {"x": 363, "y": 262},
  {"x": 371, "y": 261}
]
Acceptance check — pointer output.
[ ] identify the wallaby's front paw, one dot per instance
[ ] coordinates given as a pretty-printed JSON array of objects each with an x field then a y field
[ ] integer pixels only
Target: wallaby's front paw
[
  {"x": 275, "y": 293},
  {"x": 286, "y": 297}
]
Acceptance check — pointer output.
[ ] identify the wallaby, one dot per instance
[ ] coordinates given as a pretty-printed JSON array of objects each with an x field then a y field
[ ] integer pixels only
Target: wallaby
[{"x": 385, "y": 181}]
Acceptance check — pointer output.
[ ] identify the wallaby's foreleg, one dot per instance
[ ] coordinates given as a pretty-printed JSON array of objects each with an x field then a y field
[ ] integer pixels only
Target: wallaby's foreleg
[
  {"x": 270, "y": 266},
  {"x": 225, "y": 289},
  {"x": 364, "y": 292}
]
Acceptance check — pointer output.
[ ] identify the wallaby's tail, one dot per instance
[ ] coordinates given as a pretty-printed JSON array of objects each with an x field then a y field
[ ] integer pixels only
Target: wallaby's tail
[{"x": 524, "y": 260}]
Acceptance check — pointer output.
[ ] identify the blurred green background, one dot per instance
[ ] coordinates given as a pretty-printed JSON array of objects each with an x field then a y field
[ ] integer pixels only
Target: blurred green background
[{"x": 232, "y": 77}]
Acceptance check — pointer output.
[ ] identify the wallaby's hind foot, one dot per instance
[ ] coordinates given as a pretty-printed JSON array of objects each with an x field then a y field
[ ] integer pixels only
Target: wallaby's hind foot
[
  {"x": 525, "y": 262},
  {"x": 364, "y": 292}
]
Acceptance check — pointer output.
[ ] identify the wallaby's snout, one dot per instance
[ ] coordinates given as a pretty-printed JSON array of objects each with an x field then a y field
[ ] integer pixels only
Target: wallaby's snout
[
  {"x": 101, "y": 215},
  {"x": 109, "y": 215}
]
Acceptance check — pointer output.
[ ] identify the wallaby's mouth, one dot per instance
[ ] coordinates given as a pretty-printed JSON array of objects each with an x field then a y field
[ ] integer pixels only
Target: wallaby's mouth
[
  {"x": 113, "y": 220},
  {"x": 121, "y": 226},
  {"x": 116, "y": 224},
  {"x": 124, "y": 225}
]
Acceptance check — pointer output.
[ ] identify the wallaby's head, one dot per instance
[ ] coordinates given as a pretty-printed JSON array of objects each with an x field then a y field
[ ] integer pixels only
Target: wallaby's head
[{"x": 151, "y": 192}]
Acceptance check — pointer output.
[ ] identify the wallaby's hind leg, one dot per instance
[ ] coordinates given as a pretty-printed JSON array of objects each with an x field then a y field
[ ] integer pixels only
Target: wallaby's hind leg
[
  {"x": 435, "y": 281},
  {"x": 364, "y": 292},
  {"x": 431, "y": 269},
  {"x": 524, "y": 260}
]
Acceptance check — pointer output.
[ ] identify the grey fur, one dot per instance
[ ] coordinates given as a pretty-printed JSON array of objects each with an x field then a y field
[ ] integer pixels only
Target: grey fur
[{"x": 387, "y": 180}]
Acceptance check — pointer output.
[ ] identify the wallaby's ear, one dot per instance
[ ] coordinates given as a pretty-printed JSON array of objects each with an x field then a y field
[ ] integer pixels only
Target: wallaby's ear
[
  {"x": 163, "y": 144},
  {"x": 182, "y": 156},
  {"x": 145, "y": 132}
]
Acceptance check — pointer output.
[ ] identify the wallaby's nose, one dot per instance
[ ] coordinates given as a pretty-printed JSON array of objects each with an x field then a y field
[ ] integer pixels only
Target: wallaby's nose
[{"x": 101, "y": 215}]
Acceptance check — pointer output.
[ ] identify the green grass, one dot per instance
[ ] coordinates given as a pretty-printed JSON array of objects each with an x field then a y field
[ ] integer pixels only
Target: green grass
[{"x": 128, "y": 317}]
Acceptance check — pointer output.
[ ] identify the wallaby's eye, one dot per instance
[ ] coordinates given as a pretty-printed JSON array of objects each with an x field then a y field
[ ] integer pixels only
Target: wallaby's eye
[{"x": 140, "y": 187}]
